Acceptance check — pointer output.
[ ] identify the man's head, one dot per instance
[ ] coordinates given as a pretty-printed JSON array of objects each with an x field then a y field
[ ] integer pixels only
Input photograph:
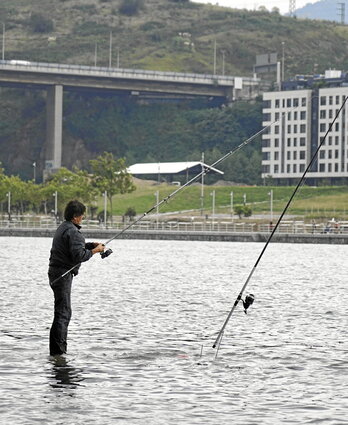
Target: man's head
[{"x": 74, "y": 209}]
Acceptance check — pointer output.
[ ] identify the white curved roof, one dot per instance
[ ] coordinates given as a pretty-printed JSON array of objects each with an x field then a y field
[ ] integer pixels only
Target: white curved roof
[{"x": 171, "y": 168}]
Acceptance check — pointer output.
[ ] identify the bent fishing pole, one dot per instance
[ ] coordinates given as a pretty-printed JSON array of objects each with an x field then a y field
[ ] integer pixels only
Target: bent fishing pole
[
  {"x": 205, "y": 170},
  {"x": 249, "y": 301}
]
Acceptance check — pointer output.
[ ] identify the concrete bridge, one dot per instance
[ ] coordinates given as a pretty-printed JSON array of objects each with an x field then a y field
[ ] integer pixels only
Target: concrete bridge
[{"x": 54, "y": 78}]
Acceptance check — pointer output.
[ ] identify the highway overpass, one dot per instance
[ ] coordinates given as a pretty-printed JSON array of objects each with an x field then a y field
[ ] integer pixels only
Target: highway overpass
[{"x": 55, "y": 78}]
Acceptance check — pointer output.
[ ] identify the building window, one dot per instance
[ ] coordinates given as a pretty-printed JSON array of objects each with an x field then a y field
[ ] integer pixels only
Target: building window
[
  {"x": 302, "y": 128},
  {"x": 276, "y": 143},
  {"x": 266, "y": 143},
  {"x": 322, "y": 100},
  {"x": 322, "y": 168},
  {"x": 337, "y": 100},
  {"x": 295, "y": 128},
  {"x": 289, "y": 129},
  {"x": 302, "y": 154},
  {"x": 294, "y": 168},
  {"x": 295, "y": 155},
  {"x": 336, "y": 140},
  {"x": 295, "y": 102},
  {"x": 329, "y": 154},
  {"x": 329, "y": 168},
  {"x": 276, "y": 156},
  {"x": 302, "y": 141},
  {"x": 288, "y": 103},
  {"x": 265, "y": 169},
  {"x": 266, "y": 117},
  {"x": 304, "y": 101},
  {"x": 266, "y": 104},
  {"x": 266, "y": 156},
  {"x": 289, "y": 116},
  {"x": 303, "y": 115},
  {"x": 295, "y": 115},
  {"x": 288, "y": 142},
  {"x": 330, "y": 100},
  {"x": 322, "y": 114},
  {"x": 276, "y": 116},
  {"x": 276, "y": 168},
  {"x": 302, "y": 168},
  {"x": 322, "y": 127},
  {"x": 295, "y": 141},
  {"x": 336, "y": 168},
  {"x": 322, "y": 154},
  {"x": 288, "y": 155},
  {"x": 337, "y": 126},
  {"x": 276, "y": 129},
  {"x": 276, "y": 105},
  {"x": 288, "y": 168},
  {"x": 336, "y": 153},
  {"x": 330, "y": 140}
]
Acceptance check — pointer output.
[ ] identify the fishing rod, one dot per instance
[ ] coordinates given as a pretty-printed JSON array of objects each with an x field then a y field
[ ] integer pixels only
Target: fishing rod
[
  {"x": 205, "y": 170},
  {"x": 249, "y": 301}
]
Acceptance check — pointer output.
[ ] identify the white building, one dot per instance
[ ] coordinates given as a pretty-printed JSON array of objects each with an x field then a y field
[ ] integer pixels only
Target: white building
[{"x": 303, "y": 118}]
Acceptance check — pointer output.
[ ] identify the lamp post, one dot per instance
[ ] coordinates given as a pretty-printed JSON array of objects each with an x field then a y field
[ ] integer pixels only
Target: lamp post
[
  {"x": 3, "y": 41},
  {"x": 223, "y": 62},
  {"x": 231, "y": 194},
  {"x": 110, "y": 50},
  {"x": 271, "y": 204},
  {"x": 244, "y": 199},
  {"x": 105, "y": 194},
  {"x": 96, "y": 54},
  {"x": 157, "y": 207},
  {"x": 8, "y": 194},
  {"x": 283, "y": 60},
  {"x": 55, "y": 195},
  {"x": 34, "y": 172},
  {"x": 202, "y": 185},
  {"x": 213, "y": 208}
]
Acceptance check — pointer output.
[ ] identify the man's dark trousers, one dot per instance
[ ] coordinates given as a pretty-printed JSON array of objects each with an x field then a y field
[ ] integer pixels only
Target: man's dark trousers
[{"x": 62, "y": 311}]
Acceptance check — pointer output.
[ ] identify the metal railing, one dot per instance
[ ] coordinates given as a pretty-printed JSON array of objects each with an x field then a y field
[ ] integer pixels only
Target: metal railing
[{"x": 223, "y": 226}]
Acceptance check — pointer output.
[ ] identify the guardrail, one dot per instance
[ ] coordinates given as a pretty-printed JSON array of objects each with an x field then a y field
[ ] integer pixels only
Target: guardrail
[{"x": 288, "y": 227}]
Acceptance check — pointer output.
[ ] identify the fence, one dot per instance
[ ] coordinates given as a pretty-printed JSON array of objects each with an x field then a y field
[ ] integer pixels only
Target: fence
[{"x": 292, "y": 227}]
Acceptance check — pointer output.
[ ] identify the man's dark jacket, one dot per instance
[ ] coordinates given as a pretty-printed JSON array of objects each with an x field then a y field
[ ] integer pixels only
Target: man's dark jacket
[{"x": 69, "y": 248}]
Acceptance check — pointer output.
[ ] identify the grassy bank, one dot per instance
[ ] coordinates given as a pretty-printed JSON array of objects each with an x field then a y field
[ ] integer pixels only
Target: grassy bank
[{"x": 310, "y": 202}]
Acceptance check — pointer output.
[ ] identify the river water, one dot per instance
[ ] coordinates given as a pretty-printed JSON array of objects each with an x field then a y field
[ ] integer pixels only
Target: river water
[{"x": 144, "y": 321}]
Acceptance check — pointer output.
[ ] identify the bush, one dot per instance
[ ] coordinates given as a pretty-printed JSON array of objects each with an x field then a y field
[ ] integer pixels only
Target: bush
[
  {"x": 130, "y": 7},
  {"x": 130, "y": 213},
  {"x": 41, "y": 24}
]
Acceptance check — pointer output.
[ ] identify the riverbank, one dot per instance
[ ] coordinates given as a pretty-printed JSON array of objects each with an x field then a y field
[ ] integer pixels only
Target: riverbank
[{"x": 105, "y": 234}]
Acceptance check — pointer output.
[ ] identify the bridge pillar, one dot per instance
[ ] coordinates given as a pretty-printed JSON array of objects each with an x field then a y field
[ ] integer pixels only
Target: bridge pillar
[{"x": 54, "y": 128}]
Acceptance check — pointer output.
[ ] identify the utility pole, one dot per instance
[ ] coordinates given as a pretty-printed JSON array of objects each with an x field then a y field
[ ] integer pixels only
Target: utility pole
[
  {"x": 292, "y": 7},
  {"x": 95, "y": 54}
]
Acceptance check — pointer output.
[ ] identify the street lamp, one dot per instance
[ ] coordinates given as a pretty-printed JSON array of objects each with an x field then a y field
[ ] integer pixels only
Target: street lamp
[
  {"x": 8, "y": 194},
  {"x": 231, "y": 205},
  {"x": 105, "y": 194},
  {"x": 157, "y": 207},
  {"x": 202, "y": 185},
  {"x": 55, "y": 195},
  {"x": 34, "y": 172},
  {"x": 271, "y": 204},
  {"x": 213, "y": 207},
  {"x": 3, "y": 41}
]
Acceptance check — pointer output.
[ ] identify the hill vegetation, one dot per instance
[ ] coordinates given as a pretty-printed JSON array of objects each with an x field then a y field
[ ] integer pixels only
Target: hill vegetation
[{"x": 150, "y": 34}]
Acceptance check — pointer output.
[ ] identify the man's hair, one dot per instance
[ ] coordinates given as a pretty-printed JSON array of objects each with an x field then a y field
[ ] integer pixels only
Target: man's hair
[{"x": 74, "y": 209}]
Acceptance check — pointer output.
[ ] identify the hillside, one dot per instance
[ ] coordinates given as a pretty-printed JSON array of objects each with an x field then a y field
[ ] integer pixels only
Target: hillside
[{"x": 163, "y": 35}]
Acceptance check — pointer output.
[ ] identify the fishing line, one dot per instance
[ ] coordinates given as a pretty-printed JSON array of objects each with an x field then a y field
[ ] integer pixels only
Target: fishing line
[
  {"x": 218, "y": 339},
  {"x": 205, "y": 170}
]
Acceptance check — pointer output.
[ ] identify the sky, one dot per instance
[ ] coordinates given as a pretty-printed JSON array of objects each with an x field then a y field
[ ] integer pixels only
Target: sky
[{"x": 282, "y": 5}]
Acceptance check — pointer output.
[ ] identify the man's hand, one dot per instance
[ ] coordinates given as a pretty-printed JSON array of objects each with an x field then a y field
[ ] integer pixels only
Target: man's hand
[{"x": 98, "y": 247}]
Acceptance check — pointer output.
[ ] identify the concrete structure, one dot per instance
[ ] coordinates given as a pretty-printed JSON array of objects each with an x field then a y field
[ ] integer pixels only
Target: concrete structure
[
  {"x": 138, "y": 83},
  {"x": 171, "y": 168},
  {"x": 300, "y": 120}
]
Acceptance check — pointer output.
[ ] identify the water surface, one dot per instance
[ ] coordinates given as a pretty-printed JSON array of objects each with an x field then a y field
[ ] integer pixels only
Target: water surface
[{"x": 144, "y": 321}]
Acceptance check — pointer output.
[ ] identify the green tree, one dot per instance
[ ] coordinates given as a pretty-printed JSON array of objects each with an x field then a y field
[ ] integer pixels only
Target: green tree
[
  {"x": 68, "y": 185},
  {"x": 110, "y": 175}
]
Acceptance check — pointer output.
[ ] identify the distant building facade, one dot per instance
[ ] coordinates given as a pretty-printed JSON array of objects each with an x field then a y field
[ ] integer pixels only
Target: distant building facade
[{"x": 303, "y": 117}]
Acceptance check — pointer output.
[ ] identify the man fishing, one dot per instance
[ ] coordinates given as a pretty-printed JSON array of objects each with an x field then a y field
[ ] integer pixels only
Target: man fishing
[{"x": 68, "y": 251}]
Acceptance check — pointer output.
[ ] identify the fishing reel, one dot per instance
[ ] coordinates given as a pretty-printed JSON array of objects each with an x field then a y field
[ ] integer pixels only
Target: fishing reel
[
  {"x": 106, "y": 253},
  {"x": 249, "y": 299}
]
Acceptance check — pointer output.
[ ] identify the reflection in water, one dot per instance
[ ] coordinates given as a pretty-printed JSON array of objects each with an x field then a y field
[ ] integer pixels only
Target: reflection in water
[{"x": 64, "y": 375}]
